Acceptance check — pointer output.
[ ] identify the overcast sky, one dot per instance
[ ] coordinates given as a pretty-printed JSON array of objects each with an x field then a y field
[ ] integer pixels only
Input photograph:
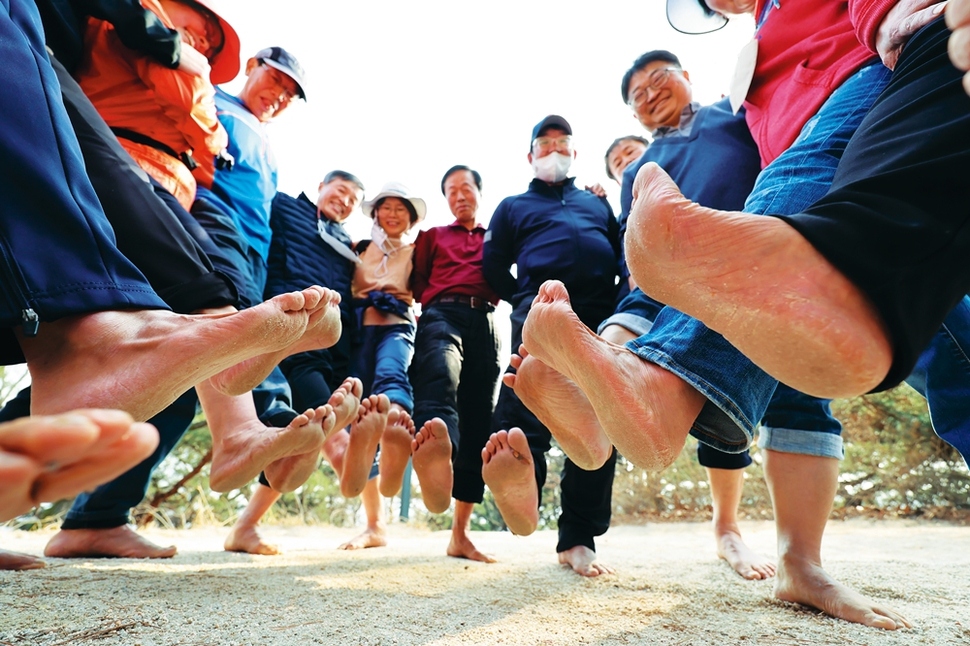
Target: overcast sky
[{"x": 404, "y": 90}]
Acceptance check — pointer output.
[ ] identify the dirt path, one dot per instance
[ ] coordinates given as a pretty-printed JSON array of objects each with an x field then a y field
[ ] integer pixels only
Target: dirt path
[{"x": 670, "y": 589}]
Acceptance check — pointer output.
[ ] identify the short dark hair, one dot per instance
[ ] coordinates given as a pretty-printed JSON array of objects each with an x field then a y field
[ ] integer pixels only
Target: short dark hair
[
  {"x": 407, "y": 203},
  {"x": 460, "y": 167},
  {"x": 345, "y": 176},
  {"x": 641, "y": 63},
  {"x": 617, "y": 142}
]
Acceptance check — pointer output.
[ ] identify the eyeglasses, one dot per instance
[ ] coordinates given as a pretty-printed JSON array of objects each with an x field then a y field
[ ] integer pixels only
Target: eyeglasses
[
  {"x": 564, "y": 144},
  {"x": 279, "y": 79},
  {"x": 655, "y": 81}
]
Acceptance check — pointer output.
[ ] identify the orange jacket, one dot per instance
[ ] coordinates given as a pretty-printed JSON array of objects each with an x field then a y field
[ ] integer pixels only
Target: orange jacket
[{"x": 135, "y": 92}]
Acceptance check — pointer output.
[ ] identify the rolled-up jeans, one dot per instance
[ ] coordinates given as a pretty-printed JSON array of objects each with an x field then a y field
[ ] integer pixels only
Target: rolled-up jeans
[{"x": 738, "y": 392}]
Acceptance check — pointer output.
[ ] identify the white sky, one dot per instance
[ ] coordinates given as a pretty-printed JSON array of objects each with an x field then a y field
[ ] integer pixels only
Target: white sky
[{"x": 404, "y": 90}]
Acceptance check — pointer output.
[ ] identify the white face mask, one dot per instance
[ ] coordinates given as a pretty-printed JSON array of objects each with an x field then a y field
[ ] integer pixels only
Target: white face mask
[{"x": 552, "y": 168}]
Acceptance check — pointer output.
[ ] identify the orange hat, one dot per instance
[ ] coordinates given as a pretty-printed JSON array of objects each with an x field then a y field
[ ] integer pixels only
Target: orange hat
[{"x": 225, "y": 64}]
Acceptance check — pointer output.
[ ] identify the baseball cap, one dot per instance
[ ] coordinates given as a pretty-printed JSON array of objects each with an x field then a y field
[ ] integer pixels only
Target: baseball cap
[
  {"x": 693, "y": 17},
  {"x": 280, "y": 59},
  {"x": 552, "y": 121}
]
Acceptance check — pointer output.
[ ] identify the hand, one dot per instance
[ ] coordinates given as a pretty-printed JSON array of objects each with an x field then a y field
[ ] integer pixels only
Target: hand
[
  {"x": 192, "y": 62},
  {"x": 224, "y": 161},
  {"x": 905, "y": 19},
  {"x": 958, "y": 20},
  {"x": 597, "y": 190}
]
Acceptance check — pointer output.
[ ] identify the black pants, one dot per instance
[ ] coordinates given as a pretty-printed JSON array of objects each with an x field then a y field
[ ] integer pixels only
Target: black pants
[
  {"x": 896, "y": 221},
  {"x": 586, "y": 495},
  {"x": 453, "y": 374},
  {"x": 313, "y": 376}
]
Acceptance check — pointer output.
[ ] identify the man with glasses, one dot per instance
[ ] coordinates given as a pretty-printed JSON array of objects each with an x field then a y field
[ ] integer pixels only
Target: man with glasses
[{"x": 553, "y": 230}]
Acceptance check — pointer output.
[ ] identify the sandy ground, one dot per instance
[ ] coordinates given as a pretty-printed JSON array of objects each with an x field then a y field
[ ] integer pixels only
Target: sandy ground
[{"x": 669, "y": 589}]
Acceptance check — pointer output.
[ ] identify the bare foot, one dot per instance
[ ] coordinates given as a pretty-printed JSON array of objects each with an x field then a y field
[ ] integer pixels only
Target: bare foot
[
  {"x": 291, "y": 472},
  {"x": 805, "y": 582},
  {"x": 462, "y": 547},
  {"x": 45, "y": 458},
  {"x": 745, "y": 561},
  {"x": 371, "y": 537},
  {"x": 345, "y": 402},
  {"x": 155, "y": 355},
  {"x": 239, "y": 456},
  {"x": 115, "y": 542},
  {"x": 322, "y": 331},
  {"x": 780, "y": 303},
  {"x": 365, "y": 433},
  {"x": 18, "y": 561},
  {"x": 562, "y": 407},
  {"x": 245, "y": 538},
  {"x": 508, "y": 471},
  {"x": 395, "y": 451},
  {"x": 431, "y": 448},
  {"x": 645, "y": 410},
  {"x": 583, "y": 561}
]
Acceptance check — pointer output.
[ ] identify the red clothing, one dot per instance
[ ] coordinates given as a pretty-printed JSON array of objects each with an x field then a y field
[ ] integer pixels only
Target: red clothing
[
  {"x": 867, "y": 15},
  {"x": 448, "y": 260},
  {"x": 806, "y": 49}
]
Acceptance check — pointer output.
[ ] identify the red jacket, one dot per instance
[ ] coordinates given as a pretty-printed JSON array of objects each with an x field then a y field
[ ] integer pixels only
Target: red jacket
[{"x": 806, "y": 49}]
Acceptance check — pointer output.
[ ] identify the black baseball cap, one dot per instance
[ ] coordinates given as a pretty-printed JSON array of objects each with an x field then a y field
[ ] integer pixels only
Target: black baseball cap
[
  {"x": 693, "y": 17},
  {"x": 552, "y": 121},
  {"x": 279, "y": 58}
]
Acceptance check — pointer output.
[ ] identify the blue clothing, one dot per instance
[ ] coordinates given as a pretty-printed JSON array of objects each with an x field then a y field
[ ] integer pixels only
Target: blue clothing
[
  {"x": 382, "y": 361},
  {"x": 59, "y": 253},
  {"x": 553, "y": 232},
  {"x": 246, "y": 191}
]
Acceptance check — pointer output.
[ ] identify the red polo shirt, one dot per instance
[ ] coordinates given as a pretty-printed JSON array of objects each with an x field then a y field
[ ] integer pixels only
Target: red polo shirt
[{"x": 448, "y": 260}]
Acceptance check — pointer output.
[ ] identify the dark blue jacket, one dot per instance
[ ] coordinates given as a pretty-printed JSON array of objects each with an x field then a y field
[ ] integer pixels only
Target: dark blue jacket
[
  {"x": 553, "y": 232},
  {"x": 716, "y": 165},
  {"x": 298, "y": 257}
]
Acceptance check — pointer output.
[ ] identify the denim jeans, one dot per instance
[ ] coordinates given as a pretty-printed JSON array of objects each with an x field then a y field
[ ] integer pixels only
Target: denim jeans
[
  {"x": 738, "y": 392},
  {"x": 454, "y": 374},
  {"x": 382, "y": 361},
  {"x": 635, "y": 312}
]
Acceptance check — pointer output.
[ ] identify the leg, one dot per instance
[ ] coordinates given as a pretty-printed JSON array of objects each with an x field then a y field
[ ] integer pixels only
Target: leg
[
  {"x": 586, "y": 510},
  {"x": 802, "y": 488},
  {"x": 244, "y": 537},
  {"x": 461, "y": 545},
  {"x": 375, "y": 535}
]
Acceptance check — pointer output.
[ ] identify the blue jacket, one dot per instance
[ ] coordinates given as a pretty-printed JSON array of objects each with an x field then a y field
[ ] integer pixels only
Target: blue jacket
[
  {"x": 298, "y": 257},
  {"x": 553, "y": 232}
]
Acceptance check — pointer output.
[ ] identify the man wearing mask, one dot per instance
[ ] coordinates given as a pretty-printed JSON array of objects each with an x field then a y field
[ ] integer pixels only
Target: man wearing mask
[{"x": 552, "y": 231}]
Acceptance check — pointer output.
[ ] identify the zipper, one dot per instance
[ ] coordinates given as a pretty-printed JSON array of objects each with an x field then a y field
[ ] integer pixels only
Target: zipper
[{"x": 13, "y": 288}]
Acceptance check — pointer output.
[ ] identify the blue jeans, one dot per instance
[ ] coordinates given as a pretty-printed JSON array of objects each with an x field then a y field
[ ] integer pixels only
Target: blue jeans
[
  {"x": 382, "y": 361},
  {"x": 738, "y": 392}
]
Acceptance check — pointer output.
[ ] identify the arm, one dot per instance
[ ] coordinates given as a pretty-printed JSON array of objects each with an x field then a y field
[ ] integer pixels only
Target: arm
[
  {"x": 498, "y": 253},
  {"x": 422, "y": 259},
  {"x": 884, "y": 26}
]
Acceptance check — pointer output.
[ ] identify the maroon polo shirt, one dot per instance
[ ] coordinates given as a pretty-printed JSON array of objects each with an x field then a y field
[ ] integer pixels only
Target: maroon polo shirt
[{"x": 448, "y": 260}]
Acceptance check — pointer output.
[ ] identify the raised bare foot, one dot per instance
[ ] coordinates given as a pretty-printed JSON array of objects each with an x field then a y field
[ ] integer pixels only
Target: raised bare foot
[
  {"x": 245, "y": 538},
  {"x": 804, "y": 581},
  {"x": 18, "y": 561},
  {"x": 644, "y": 410},
  {"x": 462, "y": 547},
  {"x": 240, "y": 454},
  {"x": 115, "y": 542},
  {"x": 395, "y": 451},
  {"x": 322, "y": 331},
  {"x": 509, "y": 472},
  {"x": 156, "y": 355},
  {"x": 365, "y": 433},
  {"x": 745, "y": 561},
  {"x": 345, "y": 402},
  {"x": 562, "y": 407},
  {"x": 780, "y": 303},
  {"x": 45, "y": 458},
  {"x": 291, "y": 472},
  {"x": 431, "y": 448},
  {"x": 373, "y": 536},
  {"x": 583, "y": 561}
]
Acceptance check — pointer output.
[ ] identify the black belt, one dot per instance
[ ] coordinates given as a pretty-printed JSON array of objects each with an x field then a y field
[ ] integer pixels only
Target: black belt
[
  {"x": 473, "y": 302},
  {"x": 145, "y": 140}
]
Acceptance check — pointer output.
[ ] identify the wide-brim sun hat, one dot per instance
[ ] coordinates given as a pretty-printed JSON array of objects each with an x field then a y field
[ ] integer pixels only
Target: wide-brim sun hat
[
  {"x": 400, "y": 191},
  {"x": 226, "y": 64},
  {"x": 693, "y": 17}
]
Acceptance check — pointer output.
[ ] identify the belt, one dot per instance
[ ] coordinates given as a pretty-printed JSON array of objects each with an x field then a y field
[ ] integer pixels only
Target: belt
[
  {"x": 184, "y": 157},
  {"x": 473, "y": 302}
]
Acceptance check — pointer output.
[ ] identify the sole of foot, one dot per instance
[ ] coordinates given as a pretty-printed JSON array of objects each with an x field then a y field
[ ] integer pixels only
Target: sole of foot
[
  {"x": 431, "y": 458},
  {"x": 509, "y": 472}
]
